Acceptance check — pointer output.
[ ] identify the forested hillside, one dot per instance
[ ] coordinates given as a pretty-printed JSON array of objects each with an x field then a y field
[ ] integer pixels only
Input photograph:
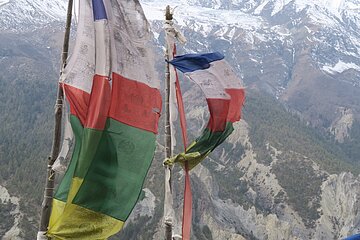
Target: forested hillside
[{"x": 290, "y": 170}]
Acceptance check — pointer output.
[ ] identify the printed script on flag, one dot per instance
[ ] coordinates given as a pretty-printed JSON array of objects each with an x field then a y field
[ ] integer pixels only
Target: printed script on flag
[
  {"x": 225, "y": 97},
  {"x": 115, "y": 105}
]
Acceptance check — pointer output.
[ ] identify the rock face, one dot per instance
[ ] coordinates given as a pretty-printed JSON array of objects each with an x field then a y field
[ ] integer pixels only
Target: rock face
[
  {"x": 275, "y": 177},
  {"x": 340, "y": 128},
  {"x": 10, "y": 213},
  {"x": 145, "y": 207},
  {"x": 241, "y": 196},
  {"x": 340, "y": 200},
  {"x": 228, "y": 218}
]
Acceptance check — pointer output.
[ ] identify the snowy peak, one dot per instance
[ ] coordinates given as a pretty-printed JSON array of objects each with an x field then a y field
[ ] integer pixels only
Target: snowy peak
[
  {"x": 25, "y": 15},
  {"x": 288, "y": 48},
  {"x": 249, "y": 12},
  {"x": 277, "y": 5},
  {"x": 3, "y": 2},
  {"x": 268, "y": 19},
  {"x": 268, "y": 41},
  {"x": 202, "y": 18}
]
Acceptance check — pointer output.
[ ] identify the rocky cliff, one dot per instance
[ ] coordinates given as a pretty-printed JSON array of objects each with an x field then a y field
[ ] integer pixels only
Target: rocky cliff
[{"x": 276, "y": 177}]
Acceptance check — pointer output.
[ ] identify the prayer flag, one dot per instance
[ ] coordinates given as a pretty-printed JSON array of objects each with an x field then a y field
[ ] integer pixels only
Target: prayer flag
[{"x": 115, "y": 104}]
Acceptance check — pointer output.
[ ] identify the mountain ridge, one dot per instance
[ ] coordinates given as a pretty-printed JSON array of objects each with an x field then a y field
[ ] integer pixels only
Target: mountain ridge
[
  {"x": 303, "y": 44},
  {"x": 276, "y": 177}
]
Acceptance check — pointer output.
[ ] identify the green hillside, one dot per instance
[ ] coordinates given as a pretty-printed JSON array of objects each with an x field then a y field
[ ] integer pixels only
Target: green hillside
[{"x": 28, "y": 82}]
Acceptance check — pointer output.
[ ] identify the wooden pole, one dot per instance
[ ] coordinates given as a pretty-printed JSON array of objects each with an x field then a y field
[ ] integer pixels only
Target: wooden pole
[
  {"x": 49, "y": 185},
  {"x": 168, "y": 151}
]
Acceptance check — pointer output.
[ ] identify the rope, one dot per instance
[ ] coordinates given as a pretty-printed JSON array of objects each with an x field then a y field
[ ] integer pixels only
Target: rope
[
  {"x": 168, "y": 162},
  {"x": 51, "y": 175}
]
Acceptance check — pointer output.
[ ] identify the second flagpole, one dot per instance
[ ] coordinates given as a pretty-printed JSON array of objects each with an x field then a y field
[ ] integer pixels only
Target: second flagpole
[{"x": 168, "y": 201}]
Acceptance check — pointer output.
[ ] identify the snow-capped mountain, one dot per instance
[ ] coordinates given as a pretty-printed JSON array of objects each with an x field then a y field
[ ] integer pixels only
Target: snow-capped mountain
[
  {"x": 26, "y": 15},
  {"x": 329, "y": 27},
  {"x": 304, "y": 52},
  {"x": 275, "y": 178}
]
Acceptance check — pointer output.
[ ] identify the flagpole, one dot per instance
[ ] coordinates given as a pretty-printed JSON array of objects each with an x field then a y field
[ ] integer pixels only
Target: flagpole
[
  {"x": 168, "y": 221},
  {"x": 49, "y": 184}
]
